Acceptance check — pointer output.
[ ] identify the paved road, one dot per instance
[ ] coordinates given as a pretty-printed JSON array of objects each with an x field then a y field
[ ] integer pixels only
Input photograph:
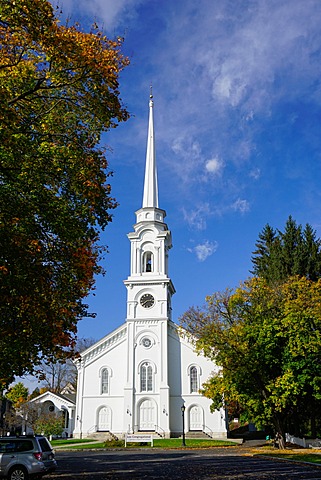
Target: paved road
[{"x": 218, "y": 464}]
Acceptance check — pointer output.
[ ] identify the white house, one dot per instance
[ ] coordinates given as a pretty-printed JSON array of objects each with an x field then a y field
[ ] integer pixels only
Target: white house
[
  {"x": 56, "y": 403},
  {"x": 139, "y": 376}
]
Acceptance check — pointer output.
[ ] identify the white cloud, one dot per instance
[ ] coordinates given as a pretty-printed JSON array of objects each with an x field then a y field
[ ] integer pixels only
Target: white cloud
[
  {"x": 197, "y": 218},
  {"x": 241, "y": 205},
  {"x": 204, "y": 250},
  {"x": 214, "y": 166},
  {"x": 255, "y": 173},
  {"x": 109, "y": 13},
  {"x": 221, "y": 73},
  {"x": 189, "y": 158}
]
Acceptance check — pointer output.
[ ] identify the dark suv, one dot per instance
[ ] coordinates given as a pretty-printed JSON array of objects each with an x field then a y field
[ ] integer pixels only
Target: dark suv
[{"x": 26, "y": 456}]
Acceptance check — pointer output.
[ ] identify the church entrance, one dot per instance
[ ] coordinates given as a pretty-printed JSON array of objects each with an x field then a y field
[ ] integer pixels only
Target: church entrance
[
  {"x": 196, "y": 418},
  {"x": 147, "y": 416},
  {"x": 104, "y": 419}
]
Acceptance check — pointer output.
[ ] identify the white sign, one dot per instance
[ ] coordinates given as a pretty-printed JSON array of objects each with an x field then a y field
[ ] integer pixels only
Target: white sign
[{"x": 138, "y": 438}]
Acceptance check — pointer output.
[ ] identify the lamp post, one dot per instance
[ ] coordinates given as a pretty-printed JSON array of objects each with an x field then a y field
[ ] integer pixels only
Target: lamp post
[{"x": 183, "y": 419}]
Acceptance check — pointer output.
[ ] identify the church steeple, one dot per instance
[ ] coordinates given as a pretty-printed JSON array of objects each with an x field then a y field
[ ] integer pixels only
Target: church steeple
[
  {"x": 150, "y": 197},
  {"x": 149, "y": 287}
]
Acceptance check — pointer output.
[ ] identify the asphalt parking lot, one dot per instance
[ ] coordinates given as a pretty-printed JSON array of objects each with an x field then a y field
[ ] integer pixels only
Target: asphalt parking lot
[{"x": 218, "y": 464}]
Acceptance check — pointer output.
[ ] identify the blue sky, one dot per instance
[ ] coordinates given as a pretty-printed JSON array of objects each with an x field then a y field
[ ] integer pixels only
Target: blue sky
[{"x": 237, "y": 98}]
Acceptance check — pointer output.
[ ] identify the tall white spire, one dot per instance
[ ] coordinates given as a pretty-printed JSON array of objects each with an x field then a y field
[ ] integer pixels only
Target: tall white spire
[{"x": 150, "y": 198}]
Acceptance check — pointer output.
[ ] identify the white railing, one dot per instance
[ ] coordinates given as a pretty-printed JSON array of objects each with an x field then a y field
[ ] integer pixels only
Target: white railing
[
  {"x": 160, "y": 431},
  {"x": 92, "y": 429}
]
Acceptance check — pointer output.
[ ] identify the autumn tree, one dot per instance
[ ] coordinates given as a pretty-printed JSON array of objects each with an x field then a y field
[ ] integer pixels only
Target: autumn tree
[
  {"x": 58, "y": 93},
  {"x": 279, "y": 255},
  {"x": 18, "y": 394},
  {"x": 266, "y": 341},
  {"x": 59, "y": 374}
]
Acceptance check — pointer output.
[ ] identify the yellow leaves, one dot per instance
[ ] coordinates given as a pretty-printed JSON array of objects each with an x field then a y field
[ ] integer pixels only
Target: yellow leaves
[
  {"x": 35, "y": 246},
  {"x": 283, "y": 391},
  {"x": 4, "y": 270}
]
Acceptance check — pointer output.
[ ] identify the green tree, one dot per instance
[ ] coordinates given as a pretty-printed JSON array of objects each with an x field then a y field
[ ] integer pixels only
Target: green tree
[
  {"x": 58, "y": 93},
  {"x": 49, "y": 424},
  {"x": 18, "y": 394},
  {"x": 279, "y": 255},
  {"x": 266, "y": 341}
]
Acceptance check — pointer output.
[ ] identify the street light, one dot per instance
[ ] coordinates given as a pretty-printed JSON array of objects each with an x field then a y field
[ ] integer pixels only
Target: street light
[{"x": 183, "y": 418}]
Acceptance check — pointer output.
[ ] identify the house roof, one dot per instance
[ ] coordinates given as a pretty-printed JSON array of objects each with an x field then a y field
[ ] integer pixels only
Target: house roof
[{"x": 68, "y": 399}]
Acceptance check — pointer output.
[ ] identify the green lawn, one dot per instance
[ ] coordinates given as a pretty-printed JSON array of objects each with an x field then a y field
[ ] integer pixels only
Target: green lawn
[
  {"x": 80, "y": 446},
  {"x": 299, "y": 457},
  {"x": 159, "y": 443},
  {"x": 60, "y": 442},
  {"x": 192, "y": 443}
]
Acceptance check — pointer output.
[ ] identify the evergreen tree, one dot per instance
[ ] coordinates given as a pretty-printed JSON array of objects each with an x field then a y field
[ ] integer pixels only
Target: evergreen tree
[{"x": 295, "y": 251}]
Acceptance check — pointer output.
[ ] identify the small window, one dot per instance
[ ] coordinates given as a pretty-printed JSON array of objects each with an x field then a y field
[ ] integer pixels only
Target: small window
[
  {"x": 104, "y": 381},
  {"x": 146, "y": 377},
  {"x": 193, "y": 380}
]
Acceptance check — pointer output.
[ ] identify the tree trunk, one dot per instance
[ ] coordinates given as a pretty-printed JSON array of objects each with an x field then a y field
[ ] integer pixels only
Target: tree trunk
[{"x": 280, "y": 433}]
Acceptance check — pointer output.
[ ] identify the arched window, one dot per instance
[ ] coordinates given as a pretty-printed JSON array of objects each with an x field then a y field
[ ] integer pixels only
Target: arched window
[
  {"x": 193, "y": 378},
  {"x": 148, "y": 262},
  {"x": 146, "y": 377},
  {"x": 104, "y": 381}
]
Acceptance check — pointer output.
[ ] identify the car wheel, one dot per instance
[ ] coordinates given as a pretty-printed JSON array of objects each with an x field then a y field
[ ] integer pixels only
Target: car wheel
[{"x": 18, "y": 473}]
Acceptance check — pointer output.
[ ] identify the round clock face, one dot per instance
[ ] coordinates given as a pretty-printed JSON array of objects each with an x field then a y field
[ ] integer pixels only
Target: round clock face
[{"x": 147, "y": 300}]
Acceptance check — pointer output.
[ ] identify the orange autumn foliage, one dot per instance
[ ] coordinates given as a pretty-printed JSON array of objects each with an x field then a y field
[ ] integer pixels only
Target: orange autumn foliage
[{"x": 58, "y": 93}]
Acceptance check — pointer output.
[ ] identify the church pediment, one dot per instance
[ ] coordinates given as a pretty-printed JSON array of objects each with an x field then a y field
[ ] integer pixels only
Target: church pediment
[{"x": 104, "y": 345}]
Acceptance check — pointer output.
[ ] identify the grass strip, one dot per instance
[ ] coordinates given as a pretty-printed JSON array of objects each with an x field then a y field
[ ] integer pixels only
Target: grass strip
[
  {"x": 158, "y": 443},
  {"x": 294, "y": 455},
  {"x": 56, "y": 443},
  {"x": 299, "y": 457}
]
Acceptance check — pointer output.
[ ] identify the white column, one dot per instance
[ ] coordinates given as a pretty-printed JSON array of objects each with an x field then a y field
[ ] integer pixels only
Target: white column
[
  {"x": 164, "y": 388},
  {"x": 128, "y": 414}
]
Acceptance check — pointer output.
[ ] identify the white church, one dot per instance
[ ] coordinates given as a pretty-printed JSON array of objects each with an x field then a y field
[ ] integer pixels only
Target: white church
[{"x": 138, "y": 377}]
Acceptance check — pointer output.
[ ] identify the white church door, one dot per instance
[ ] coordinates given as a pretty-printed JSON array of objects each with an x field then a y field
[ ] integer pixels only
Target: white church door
[
  {"x": 147, "y": 415},
  {"x": 104, "y": 419},
  {"x": 196, "y": 418}
]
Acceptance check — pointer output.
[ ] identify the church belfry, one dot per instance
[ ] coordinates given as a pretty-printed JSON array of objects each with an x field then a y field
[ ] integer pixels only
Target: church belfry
[{"x": 149, "y": 288}]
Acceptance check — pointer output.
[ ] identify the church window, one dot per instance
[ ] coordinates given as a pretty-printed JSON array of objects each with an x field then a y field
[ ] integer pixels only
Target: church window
[
  {"x": 104, "y": 381},
  {"x": 193, "y": 379},
  {"x": 148, "y": 262},
  {"x": 146, "y": 377},
  {"x": 146, "y": 342}
]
